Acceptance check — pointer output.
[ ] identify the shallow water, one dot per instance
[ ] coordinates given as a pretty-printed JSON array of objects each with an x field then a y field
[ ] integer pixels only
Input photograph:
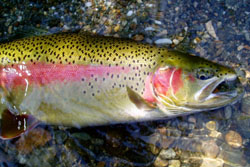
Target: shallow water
[{"x": 217, "y": 30}]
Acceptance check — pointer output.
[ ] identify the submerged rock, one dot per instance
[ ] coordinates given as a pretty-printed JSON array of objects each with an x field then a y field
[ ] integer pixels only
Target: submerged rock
[
  {"x": 160, "y": 162},
  {"x": 210, "y": 149},
  {"x": 167, "y": 154},
  {"x": 35, "y": 138},
  {"x": 233, "y": 139},
  {"x": 174, "y": 163},
  {"x": 208, "y": 162}
]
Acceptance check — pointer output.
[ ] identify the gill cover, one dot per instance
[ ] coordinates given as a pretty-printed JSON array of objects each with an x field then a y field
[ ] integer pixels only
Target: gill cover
[{"x": 179, "y": 89}]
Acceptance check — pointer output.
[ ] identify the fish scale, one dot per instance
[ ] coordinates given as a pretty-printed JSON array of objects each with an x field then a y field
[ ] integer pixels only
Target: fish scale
[
  {"x": 76, "y": 79},
  {"x": 84, "y": 49}
]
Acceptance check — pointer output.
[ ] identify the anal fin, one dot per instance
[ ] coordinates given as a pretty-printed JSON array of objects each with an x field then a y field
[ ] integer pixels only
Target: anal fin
[{"x": 14, "y": 125}]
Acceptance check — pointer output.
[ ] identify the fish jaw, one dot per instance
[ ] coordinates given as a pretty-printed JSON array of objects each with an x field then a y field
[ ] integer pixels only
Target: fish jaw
[{"x": 177, "y": 89}]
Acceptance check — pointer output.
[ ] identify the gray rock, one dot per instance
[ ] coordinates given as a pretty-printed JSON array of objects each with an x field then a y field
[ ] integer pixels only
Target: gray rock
[
  {"x": 245, "y": 105},
  {"x": 210, "y": 148},
  {"x": 228, "y": 112},
  {"x": 167, "y": 154}
]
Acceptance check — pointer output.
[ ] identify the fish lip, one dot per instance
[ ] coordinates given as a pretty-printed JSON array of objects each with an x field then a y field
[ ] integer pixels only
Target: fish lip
[{"x": 227, "y": 94}]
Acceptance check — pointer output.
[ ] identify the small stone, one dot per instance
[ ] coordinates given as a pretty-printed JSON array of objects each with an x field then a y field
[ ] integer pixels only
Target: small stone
[
  {"x": 240, "y": 73},
  {"x": 88, "y": 4},
  {"x": 149, "y": 29},
  {"x": 160, "y": 162},
  {"x": 138, "y": 37},
  {"x": 233, "y": 139},
  {"x": 154, "y": 149},
  {"x": 215, "y": 134},
  {"x": 19, "y": 18},
  {"x": 130, "y": 13},
  {"x": 163, "y": 41},
  {"x": 166, "y": 142},
  {"x": 210, "y": 148},
  {"x": 212, "y": 125},
  {"x": 239, "y": 48},
  {"x": 158, "y": 22},
  {"x": 245, "y": 105},
  {"x": 174, "y": 163},
  {"x": 10, "y": 29},
  {"x": 65, "y": 27},
  {"x": 176, "y": 41},
  {"x": 210, "y": 29},
  {"x": 208, "y": 162},
  {"x": 117, "y": 28},
  {"x": 183, "y": 125},
  {"x": 228, "y": 112},
  {"x": 192, "y": 119},
  {"x": 197, "y": 40},
  {"x": 167, "y": 154}
]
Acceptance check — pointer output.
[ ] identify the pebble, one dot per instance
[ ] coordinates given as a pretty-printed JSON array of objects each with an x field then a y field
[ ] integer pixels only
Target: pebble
[
  {"x": 174, "y": 163},
  {"x": 245, "y": 105},
  {"x": 162, "y": 33},
  {"x": 166, "y": 142},
  {"x": 163, "y": 41},
  {"x": 239, "y": 48},
  {"x": 88, "y": 4},
  {"x": 210, "y": 149},
  {"x": 210, "y": 29},
  {"x": 154, "y": 149},
  {"x": 192, "y": 119},
  {"x": 130, "y": 13},
  {"x": 117, "y": 28},
  {"x": 233, "y": 139},
  {"x": 176, "y": 41},
  {"x": 240, "y": 73},
  {"x": 212, "y": 125},
  {"x": 208, "y": 162},
  {"x": 160, "y": 162},
  {"x": 228, "y": 112},
  {"x": 215, "y": 134},
  {"x": 167, "y": 154},
  {"x": 183, "y": 125},
  {"x": 158, "y": 22},
  {"x": 149, "y": 29},
  {"x": 138, "y": 37}
]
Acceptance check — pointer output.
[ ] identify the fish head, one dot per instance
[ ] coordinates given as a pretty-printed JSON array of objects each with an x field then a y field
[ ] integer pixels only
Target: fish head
[{"x": 190, "y": 83}]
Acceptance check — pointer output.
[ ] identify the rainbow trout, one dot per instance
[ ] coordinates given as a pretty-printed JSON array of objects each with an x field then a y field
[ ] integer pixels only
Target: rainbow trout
[{"x": 80, "y": 80}]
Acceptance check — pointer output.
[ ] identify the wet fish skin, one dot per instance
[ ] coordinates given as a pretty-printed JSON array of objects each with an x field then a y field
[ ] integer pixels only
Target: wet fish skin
[{"x": 79, "y": 80}]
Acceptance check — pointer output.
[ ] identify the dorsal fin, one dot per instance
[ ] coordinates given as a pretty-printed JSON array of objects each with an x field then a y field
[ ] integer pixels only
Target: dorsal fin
[{"x": 14, "y": 125}]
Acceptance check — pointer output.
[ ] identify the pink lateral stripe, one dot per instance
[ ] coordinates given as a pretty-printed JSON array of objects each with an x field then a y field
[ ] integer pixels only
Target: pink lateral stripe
[{"x": 42, "y": 73}]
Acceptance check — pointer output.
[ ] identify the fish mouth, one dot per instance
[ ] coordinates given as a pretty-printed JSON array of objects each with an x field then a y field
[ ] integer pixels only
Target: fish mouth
[{"x": 226, "y": 88}]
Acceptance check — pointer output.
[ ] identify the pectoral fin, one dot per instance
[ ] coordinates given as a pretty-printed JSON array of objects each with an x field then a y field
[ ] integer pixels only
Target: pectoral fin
[
  {"x": 139, "y": 101},
  {"x": 14, "y": 125}
]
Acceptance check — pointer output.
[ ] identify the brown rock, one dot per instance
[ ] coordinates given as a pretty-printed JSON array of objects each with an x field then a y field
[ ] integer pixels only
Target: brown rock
[
  {"x": 138, "y": 37},
  {"x": 35, "y": 138},
  {"x": 210, "y": 148},
  {"x": 233, "y": 139}
]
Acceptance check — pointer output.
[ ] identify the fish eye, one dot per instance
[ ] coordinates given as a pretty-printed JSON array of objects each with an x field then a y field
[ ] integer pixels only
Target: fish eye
[{"x": 204, "y": 74}]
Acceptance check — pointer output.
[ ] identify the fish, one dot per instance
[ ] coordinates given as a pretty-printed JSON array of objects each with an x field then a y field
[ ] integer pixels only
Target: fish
[{"x": 77, "y": 79}]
